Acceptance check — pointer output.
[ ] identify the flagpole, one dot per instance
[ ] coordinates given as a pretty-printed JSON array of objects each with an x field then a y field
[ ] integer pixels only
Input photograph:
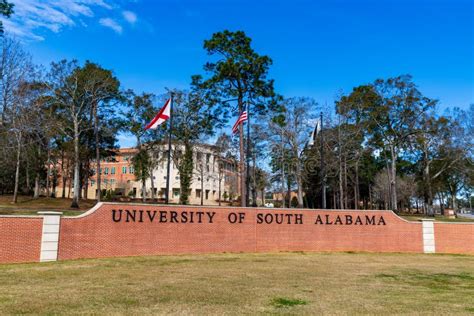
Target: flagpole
[
  {"x": 247, "y": 182},
  {"x": 323, "y": 172},
  {"x": 167, "y": 195}
]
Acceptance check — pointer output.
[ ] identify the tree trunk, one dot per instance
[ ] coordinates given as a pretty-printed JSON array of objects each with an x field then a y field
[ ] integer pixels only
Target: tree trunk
[
  {"x": 143, "y": 190},
  {"x": 370, "y": 197},
  {"x": 152, "y": 185},
  {"x": 288, "y": 191},
  {"x": 202, "y": 185},
  {"x": 356, "y": 186},
  {"x": 220, "y": 184},
  {"x": 75, "y": 198},
  {"x": 346, "y": 191},
  {"x": 393, "y": 180},
  {"x": 254, "y": 189},
  {"x": 17, "y": 171},
  {"x": 97, "y": 153},
  {"x": 37, "y": 186},
  {"x": 28, "y": 186},
  {"x": 48, "y": 171}
]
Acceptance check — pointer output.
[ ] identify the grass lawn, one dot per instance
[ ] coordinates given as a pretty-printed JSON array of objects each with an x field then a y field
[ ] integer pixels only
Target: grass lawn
[
  {"x": 278, "y": 283},
  {"x": 437, "y": 218},
  {"x": 28, "y": 206}
]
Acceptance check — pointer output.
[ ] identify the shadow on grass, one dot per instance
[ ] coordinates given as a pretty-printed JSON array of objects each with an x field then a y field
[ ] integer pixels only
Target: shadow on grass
[{"x": 432, "y": 281}]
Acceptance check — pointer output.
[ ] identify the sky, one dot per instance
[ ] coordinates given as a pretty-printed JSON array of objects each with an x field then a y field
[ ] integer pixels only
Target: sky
[{"x": 319, "y": 49}]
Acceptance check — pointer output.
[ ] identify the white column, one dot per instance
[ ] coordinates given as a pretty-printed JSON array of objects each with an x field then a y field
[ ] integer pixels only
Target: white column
[
  {"x": 50, "y": 237},
  {"x": 428, "y": 235}
]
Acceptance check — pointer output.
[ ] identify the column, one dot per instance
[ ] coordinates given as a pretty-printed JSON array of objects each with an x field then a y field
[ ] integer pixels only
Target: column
[{"x": 50, "y": 237}]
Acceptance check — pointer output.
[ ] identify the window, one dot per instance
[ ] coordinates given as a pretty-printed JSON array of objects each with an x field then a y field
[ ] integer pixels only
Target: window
[
  {"x": 124, "y": 170},
  {"x": 106, "y": 171},
  {"x": 176, "y": 193},
  {"x": 92, "y": 183},
  {"x": 207, "y": 194},
  {"x": 112, "y": 181},
  {"x": 131, "y": 170},
  {"x": 198, "y": 193},
  {"x": 112, "y": 171}
]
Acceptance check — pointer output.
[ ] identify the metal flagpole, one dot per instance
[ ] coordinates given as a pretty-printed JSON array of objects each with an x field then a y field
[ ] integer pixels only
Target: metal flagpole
[
  {"x": 167, "y": 195},
  {"x": 247, "y": 184},
  {"x": 323, "y": 172}
]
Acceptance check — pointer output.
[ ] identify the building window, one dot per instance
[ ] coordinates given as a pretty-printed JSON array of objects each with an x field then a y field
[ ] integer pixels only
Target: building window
[
  {"x": 112, "y": 181},
  {"x": 92, "y": 183},
  {"x": 112, "y": 171},
  {"x": 124, "y": 170},
  {"x": 131, "y": 170},
  {"x": 176, "y": 193},
  {"x": 106, "y": 171},
  {"x": 207, "y": 194},
  {"x": 198, "y": 193}
]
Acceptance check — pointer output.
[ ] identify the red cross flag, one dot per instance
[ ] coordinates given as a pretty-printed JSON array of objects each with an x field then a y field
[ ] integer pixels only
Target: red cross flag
[
  {"x": 161, "y": 117},
  {"x": 242, "y": 118}
]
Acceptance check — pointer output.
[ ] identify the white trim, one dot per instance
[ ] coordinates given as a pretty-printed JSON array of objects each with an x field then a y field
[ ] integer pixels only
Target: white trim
[
  {"x": 50, "y": 236},
  {"x": 429, "y": 245}
]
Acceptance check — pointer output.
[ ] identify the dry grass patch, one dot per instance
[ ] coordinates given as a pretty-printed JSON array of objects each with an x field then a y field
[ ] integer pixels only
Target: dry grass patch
[
  {"x": 282, "y": 283},
  {"x": 28, "y": 206}
]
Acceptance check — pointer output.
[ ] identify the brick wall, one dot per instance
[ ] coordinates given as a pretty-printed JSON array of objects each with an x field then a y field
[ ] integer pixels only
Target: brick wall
[
  {"x": 137, "y": 230},
  {"x": 454, "y": 237},
  {"x": 97, "y": 235},
  {"x": 20, "y": 239}
]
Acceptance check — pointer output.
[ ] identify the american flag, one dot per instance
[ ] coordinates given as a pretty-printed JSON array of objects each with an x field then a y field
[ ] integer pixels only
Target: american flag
[{"x": 242, "y": 118}]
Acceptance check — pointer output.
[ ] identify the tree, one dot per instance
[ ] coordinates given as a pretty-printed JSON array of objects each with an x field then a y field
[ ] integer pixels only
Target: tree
[
  {"x": 392, "y": 111},
  {"x": 141, "y": 162},
  {"x": 6, "y": 9},
  {"x": 194, "y": 117},
  {"x": 76, "y": 94},
  {"x": 221, "y": 149},
  {"x": 238, "y": 77},
  {"x": 102, "y": 92},
  {"x": 138, "y": 112}
]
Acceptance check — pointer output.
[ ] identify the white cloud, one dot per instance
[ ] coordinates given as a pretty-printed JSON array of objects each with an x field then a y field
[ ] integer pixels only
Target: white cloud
[
  {"x": 129, "y": 16},
  {"x": 31, "y": 17},
  {"x": 112, "y": 24}
]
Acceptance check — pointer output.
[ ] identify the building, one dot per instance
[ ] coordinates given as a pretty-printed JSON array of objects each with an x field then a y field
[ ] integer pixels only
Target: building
[{"x": 211, "y": 173}]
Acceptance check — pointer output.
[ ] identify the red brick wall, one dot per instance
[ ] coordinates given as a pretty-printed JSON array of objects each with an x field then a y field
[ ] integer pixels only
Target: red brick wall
[
  {"x": 96, "y": 235},
  {"x": 454, "y": 238},
  {"x": 20, "y": 239}
]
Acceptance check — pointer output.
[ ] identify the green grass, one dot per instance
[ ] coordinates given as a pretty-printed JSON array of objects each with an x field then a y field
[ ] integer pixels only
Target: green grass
[
  {"x": 437, "y": 218},
  {"x": 278, "y": 283},
  {"x": 287, "y": 302}
]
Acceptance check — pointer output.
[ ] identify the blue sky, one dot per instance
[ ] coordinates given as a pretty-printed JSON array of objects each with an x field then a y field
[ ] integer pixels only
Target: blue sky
[{"x": 319, "y": 48}]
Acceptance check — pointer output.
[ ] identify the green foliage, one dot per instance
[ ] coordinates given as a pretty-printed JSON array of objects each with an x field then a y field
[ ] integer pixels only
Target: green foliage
[
  {"x": 294, "y": 201},
  {"x": 185, "y": 168},
  {"x": 280, "y": 302},
  {"x": 6, "y": 9},
  {"x": 141, "y": 162}
]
